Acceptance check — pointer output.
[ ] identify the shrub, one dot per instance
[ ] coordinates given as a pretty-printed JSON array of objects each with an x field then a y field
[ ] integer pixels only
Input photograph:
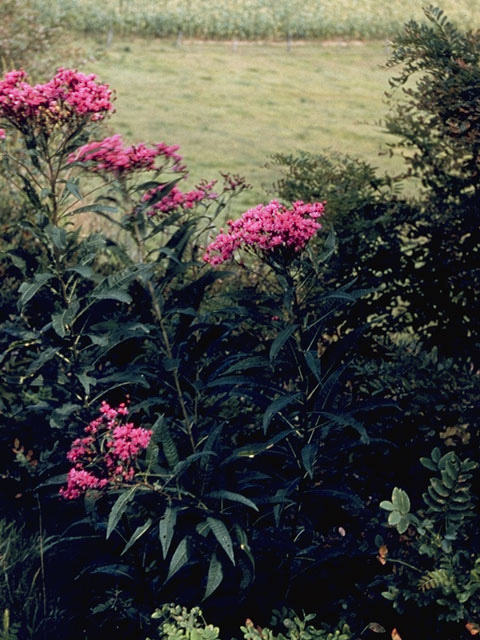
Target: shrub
[
  {"x": 178, "y": 622},
  {"x": 438, "y": 564}
]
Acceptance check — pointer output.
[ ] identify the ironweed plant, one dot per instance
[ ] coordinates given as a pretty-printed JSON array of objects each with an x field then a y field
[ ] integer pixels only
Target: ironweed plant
[{"x": 220, "y": 404}]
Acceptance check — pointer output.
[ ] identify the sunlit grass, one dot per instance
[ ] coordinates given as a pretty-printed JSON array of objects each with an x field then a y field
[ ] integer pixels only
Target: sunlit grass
[{"x": 230, "y": 109}]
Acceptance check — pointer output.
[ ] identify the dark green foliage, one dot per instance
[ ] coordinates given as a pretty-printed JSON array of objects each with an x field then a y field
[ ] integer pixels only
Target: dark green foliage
[
  {"x": 282, "y": 393},
  {"x": 447, "y": 577},
  {"x": 179, "y": 623}
]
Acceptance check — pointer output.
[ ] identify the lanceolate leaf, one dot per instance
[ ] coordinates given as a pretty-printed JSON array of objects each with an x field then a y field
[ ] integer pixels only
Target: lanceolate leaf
[
  {"x": 215, "y": 576},
  {"x": 138, "y": 533},
  {"x": 281, "y": 339},
  {"x": 166, "y": 529},
  {"x": 276, "y": 406},
  {"x": 28, "y": 290},
  {"x": 167, "y": 442},
  {"x": 308, "y": 457},
  {"x": 179, "y": 558},
  {"x": 234, "y": 497},
  {"x": 223, "y": 537},
  {"x": 118, "y": 509},
  {"x": 112, "y": 294}
]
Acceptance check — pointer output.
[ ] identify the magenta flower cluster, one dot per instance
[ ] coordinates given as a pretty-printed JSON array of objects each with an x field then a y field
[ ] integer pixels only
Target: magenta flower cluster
[
  {"x": 107, "y": 454},
  {"x": 266, "y": 228},
  {"x": 177, "y": 199},
  {"x": 113, "y": 156},
  {"x": 69, "y": 94}
]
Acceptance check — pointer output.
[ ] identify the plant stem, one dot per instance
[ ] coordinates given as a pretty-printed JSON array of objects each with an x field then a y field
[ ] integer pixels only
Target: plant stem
[{"x": 168, "y": 348}]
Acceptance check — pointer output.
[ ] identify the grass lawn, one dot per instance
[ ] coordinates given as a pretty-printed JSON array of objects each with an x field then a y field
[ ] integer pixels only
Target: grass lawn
[{"x": 230, "y": 107}]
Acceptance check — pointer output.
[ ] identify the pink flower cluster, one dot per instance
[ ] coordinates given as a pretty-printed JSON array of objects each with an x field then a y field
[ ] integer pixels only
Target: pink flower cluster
[
  {"x": 69, "y": 94},
  {"x": 3, "y": 135},
  {"x": 110, "y": 448},
  {"x": 266, "y": 228},
  {"x": 177, "y": 199},
  {"x": 112, "y": 155}
]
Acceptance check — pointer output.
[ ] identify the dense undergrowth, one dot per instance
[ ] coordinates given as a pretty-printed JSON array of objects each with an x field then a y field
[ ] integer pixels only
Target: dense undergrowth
[{"x": 191, "y": 416}]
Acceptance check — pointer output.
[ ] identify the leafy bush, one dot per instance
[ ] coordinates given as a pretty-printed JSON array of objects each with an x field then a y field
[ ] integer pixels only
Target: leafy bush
[
  {"x": 178, "y": 622},
  {"x": 448, "y": 576},
  {"x": 234, "y": 398}
]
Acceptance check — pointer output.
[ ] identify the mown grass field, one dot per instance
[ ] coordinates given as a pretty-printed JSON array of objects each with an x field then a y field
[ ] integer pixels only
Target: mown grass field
[
  {"x": 230, "y": 109},
  {"x": 249, "y": 19}
]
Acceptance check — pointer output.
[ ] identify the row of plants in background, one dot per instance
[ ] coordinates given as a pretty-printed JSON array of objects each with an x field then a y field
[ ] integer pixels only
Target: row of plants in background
[
  {"x": 248, "y": 19},
  {"x": 190, "y": 415}
]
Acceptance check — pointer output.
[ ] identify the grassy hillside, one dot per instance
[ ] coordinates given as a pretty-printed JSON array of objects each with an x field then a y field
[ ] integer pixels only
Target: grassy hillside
[{"x": 229, "y": 109}]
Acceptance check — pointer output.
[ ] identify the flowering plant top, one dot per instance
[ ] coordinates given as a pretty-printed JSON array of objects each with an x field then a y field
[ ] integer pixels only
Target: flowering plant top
[
  {"x": 107, "y": 454},
  {"x": 176, "y": 199},
  {"x": 266, "y": 228},
  {"x": 113, "y": 156},
  {"x": 69, "y": 94}
]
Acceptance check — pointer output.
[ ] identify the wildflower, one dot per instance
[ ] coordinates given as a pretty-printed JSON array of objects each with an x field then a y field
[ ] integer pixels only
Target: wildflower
[
  {"x": 267, "y": 228},
  {"x": 79, "y": 481},
  {"x": 109, "y": 450},
  {"x": 112, "y": 155},
  {"x": 3, "y": 135},
  {"x": 68, "y": 95},
  {"x": 176, "y": 199}
]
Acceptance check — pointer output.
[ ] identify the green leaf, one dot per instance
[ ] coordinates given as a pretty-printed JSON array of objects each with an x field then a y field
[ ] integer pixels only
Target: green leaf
[
  {"x": 439, "y": 487},
  {"x": 118, "y": 509},
  {"x": 58, "y": 236},
  {"x": 215, "y": 576},
  {"x": 281, "y": 339},
  {"x": 73, "y": 189},
  {"x": 276, "y": 406},
  {"x": 403, "y": 524},
  {"x": 112, "y": 294},
  {"x": 28, "y": 290},
  {"x": 308, "y": 454},
  {"x": 394, "y": 518},
  {"x": 223, "y": 537},
  {"x": 166, "y": 529},
  {"x": 44, "y": 357},
  {"x": 168, "y": 444},
  {"x": 96, "y": 208},
  {"x": 252, "y": 450},
  {"x": 313, "y": 363},
  {"x": 387, "y": 505},
  {"x": 138, "y": 533},
  {"x": 83, "y": 270},
  {"x": 234, "y": 497},
  {"x": 428, "y": 464},
  {"x": 86, "y": 381},
  {"x": 400, "y": 500},
  {"x": 62, "y": 321},
  {"x": 61, "y": 414},
  {"x": 179, "y": 558},
  {"x": 246, "y": 363}
]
